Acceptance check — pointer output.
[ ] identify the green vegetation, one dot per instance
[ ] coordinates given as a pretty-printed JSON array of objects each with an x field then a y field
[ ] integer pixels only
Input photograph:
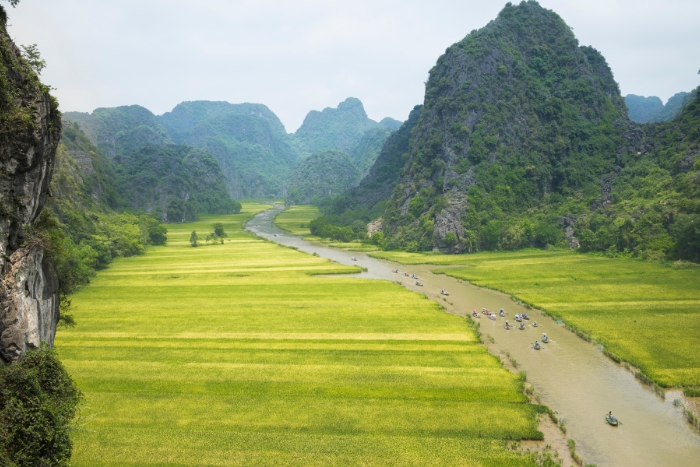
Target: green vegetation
[
  {"x": 500, "y": 157},
  {"x": 368, "y": 148},
  {"x": 79, "y": 225},
  {"x": 651, "y": 109},
  {"x": 642, "y": 312},
  {"x": 239, "y": 353},
  {"x": 174, "y": 182},
  {"x": 296, "y": 219},
  {"x": 341, "y": 128},
  {"x": 367, "y": 201},
  {"x": 38, "y": 402},
  {"x": 322, "y": 174}
]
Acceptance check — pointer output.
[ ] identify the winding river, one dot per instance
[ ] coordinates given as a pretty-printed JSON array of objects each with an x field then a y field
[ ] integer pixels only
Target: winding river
[{"x": 571, "y": 376}]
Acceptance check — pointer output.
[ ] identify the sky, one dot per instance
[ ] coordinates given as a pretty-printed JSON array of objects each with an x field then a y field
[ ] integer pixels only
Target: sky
[{"x": 297, "y": 56}]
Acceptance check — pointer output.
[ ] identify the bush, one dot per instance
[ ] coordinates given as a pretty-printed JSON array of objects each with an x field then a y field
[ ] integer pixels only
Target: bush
[{"x": 38, "y": 401}]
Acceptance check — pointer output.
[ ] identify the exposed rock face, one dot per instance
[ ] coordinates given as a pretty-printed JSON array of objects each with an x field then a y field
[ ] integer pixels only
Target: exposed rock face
[{"x": 30, "y": 129}]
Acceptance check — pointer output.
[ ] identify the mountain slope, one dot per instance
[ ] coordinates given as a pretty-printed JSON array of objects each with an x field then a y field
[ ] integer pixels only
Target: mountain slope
[
  {"x": 174, "y": 182},
  {"x": 518, "y": 126},
  {"x": 255, "y": 158},
  {"x": 187, "y": 115},
  {"x": 323, "y": 174},
  {"x": 341, "y": 128},
  {"x": 651, "y": 109},
  {"x": 120, "y": 129}
]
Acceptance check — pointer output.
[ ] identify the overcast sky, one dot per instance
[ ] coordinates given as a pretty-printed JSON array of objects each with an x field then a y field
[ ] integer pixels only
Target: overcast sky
[{"x": 295, "y": 56}]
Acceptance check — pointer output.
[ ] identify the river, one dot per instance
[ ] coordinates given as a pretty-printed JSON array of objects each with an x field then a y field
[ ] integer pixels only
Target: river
[{"x": 570, "y": 375}]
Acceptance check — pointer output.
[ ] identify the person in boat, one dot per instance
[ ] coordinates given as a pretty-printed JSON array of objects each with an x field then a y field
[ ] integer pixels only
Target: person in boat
[
  {"x": 534, "y": 323},
  {"x": 522, "y": 325},
  {"x": 507, "y": 325}
]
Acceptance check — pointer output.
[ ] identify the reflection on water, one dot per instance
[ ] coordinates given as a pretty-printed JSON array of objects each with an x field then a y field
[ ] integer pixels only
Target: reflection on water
[{"x": 571, "y": 376}]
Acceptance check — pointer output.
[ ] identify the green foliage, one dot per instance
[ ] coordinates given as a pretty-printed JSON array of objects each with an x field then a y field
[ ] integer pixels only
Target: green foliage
[
  {"x": 296, "y": 219},
  {"x": 332, "y": 227},
  {"x": 33, "y": 58},
  {"x": 368, "y": 148},
  {"x": 194, "y": 238},
  {"x": 38, "y": 401},
  {"x": 340, "y": 129},
  {"x": 651, "y": 109},
  {"x": 326, "y": 173},
  {"x": 178, "y": 179},
  {"x": 654, "y": 207},
  {"x": 528, "y": 135}
]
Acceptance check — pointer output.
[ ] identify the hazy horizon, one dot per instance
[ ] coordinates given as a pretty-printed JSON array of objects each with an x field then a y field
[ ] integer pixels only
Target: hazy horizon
[{"x": 308, "y": 55}]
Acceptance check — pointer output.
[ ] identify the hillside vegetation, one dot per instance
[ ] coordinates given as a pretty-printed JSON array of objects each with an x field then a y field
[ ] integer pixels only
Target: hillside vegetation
[
  {"x": 323, "y": 174},
  {"x": 651, "y": 109}
]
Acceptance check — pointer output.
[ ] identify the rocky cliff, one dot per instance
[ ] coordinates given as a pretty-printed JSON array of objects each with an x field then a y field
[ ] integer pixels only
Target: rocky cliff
[{"x": 30, "y": 129}]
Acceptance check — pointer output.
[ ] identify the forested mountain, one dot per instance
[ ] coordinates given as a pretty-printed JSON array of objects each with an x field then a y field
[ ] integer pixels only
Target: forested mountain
[
  {"x": 524, "y": 140},
  {"x": 368, "y": 200},
  {"x": 341, "y": 128},
  {"x": 651, "y": 109},
  {"x": 326, "y": 173},
  {"x": 250, "y": 143},
  {"x": 120, "y": 129}
]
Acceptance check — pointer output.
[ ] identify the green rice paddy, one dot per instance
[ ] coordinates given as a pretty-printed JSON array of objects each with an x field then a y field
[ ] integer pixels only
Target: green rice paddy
[
  {"x": 239, "y": 354},
  {"x": 295, "y": 220},
  {"x": 643, "y": 312}
]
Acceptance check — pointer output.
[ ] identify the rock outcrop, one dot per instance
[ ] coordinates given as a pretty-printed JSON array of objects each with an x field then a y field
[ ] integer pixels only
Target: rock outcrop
[{"x": 30, "y": 129}]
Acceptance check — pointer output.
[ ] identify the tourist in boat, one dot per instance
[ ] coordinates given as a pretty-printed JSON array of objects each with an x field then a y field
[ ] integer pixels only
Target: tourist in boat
[{"x": 534, "y": 324}]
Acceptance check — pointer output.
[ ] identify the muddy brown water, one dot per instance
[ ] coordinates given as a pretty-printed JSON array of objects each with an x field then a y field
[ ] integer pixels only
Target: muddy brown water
[{"x": 571, "y": 376}]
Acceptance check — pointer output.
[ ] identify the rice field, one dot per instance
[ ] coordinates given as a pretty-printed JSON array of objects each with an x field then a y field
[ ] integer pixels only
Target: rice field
[
  {"x": 295, "y": 220},
  {"x": 642, "y": 312},
  {"x": 239, "y": 354}
]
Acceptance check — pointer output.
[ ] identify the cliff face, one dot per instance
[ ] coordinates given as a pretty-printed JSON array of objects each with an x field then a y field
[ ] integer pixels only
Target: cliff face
[{"x": 30, "y": 129}]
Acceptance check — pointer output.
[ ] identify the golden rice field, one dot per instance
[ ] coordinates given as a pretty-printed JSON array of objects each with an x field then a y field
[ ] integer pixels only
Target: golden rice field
[
  {"x": 295, "y": 220},
  {"x": 643, "y": 312},
  {"x": 238, "y": 354}
]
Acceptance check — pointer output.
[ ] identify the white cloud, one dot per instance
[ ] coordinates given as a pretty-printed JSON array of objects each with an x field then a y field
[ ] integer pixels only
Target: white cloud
[{"x": 295, "y": 56}]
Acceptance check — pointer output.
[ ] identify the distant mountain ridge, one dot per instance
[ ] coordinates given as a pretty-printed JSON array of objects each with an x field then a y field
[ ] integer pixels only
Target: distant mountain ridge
[
  {"x": 652, "y": 109},
  {"x": 256, "y": 154}
]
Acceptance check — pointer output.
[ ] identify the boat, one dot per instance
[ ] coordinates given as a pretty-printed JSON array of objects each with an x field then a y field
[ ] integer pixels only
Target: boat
[
  {"x": 476, "y": 315},
  {"x": 534, "y": 324},
  {"x": 395, "y": 271},
  {"x": 354, "y": 259},
  {"x": 522, "y": 326},
  {"x": 492, "y": 317},
  {"x": 443, "y": 292},
  {"x": 545, "y": 339},
  {"x": 507, "y": 326},
  {"x": 525, "y": 316},
  {"x": 518, "y": 318},
  {"x": 418, "y": 283},
  {"x": 502, "y": 313},
  {"x": 537, "y": 346},
  {"x": 611, "y": 420}
]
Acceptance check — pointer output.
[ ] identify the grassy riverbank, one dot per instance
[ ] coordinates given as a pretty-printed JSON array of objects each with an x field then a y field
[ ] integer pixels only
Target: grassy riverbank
[
  {"x": 237, "y": 354},
  {"x": 295, "y": 220},
  {"x": 643, "y": 312}
]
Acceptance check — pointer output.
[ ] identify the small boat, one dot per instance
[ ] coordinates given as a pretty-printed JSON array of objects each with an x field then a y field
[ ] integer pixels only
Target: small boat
[
  {"x": 353, "y": 258},
  {"x": 405, "y": 274},
  {"x": 545, "y": 339},
  {"x": 518, "y": 318},
  {"x": 611, "y": 420},
  {"x": 507, "y": 326},
  {"x": 395, "y": 271},
  {"x": 502, "y": 313},
  {"x": 443, "y": 292},
  {"x": 537, "y": 345},
  {"x": 534, "y": 324},
  {"x": 492, "y": 317},
  {"x": 522, "y": 326},
  {"x": 418, "y": 283},
  {"x": 475, "y": 314},
  {"x": 525, "y": 316}
]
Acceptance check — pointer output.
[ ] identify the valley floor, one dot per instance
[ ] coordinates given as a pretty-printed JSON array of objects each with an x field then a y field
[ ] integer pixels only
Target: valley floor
[{"x": 239, "y": 354}]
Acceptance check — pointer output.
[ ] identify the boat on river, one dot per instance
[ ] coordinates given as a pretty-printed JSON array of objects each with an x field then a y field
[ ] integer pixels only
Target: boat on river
[
  {"x": 419, "y": 284},
  {"x": 537, "y": 345},
  {"x": 443, "y": 292},
  {"x": 611, "y": 420}
]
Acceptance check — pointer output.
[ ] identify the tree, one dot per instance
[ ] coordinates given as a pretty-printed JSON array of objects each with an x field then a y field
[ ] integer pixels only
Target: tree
[
  {"x": 33, "y": 57},
  {"x": 219, "y": 230},
  {"x": 193, "y": 238},
  {"x": 3, "y": 13},
  {"x": 38, "y": 400}
]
